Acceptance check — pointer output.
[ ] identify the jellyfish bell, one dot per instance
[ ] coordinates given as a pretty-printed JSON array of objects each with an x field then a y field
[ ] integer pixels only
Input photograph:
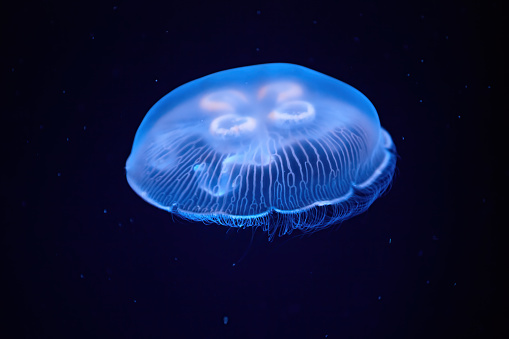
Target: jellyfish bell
[{"x": 273, "y": 145}]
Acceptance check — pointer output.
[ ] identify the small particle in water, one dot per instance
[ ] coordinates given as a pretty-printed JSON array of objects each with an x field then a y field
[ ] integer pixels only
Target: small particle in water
[{"x": 225, "y": 320}]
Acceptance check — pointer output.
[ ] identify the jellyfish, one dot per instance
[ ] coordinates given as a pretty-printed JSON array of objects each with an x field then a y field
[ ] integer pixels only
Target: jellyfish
[{"x": 275, "y": 145}]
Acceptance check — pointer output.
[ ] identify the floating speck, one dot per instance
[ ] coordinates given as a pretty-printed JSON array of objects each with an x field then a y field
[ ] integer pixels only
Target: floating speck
[
  {"x": 225, "y": 320},
  {"x": 105, "y": 211},
  {"x": 81, "y": 276}
]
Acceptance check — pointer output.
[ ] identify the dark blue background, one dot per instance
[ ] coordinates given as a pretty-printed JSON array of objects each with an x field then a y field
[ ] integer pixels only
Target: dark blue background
[{"x": 85, "y": 257}]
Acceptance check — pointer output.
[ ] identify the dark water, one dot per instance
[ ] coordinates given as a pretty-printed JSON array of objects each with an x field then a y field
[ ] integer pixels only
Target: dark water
[{"x": 85, "y": 257}]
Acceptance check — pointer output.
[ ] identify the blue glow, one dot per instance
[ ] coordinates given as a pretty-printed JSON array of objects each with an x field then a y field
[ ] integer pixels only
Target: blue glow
[{"x": 275, "y": 145}]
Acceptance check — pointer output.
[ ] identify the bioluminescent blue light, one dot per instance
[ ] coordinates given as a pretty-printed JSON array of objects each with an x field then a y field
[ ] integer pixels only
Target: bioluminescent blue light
[{"x": 273, "y": 145}]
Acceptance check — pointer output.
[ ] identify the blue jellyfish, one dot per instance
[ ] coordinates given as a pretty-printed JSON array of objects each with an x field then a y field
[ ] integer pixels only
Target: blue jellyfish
[{"x": 274, "y": 145}]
